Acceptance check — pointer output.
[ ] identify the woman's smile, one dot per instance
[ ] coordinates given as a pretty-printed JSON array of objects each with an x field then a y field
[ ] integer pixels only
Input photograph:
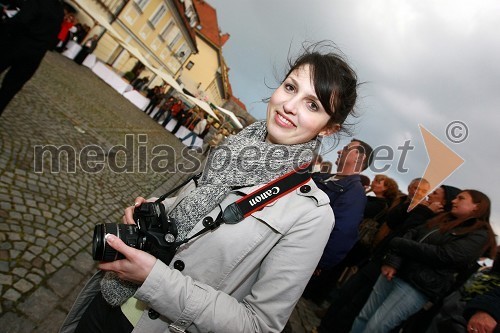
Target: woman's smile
[{"x": 283, "y": 121}]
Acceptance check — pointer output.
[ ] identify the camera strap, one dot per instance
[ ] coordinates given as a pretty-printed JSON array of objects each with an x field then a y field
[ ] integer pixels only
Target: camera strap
[
  {"x": 266, "y": 195},
  {"x": 256, "y": 200}
]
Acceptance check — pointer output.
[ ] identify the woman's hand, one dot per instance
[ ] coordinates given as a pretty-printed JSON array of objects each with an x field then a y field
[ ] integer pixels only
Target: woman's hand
[
  {"x": 128, "y": 218},
  {"x": 481, "y": 322},
  {"x": 135, "y": 267},
  {"x": 388, "y": 271}
]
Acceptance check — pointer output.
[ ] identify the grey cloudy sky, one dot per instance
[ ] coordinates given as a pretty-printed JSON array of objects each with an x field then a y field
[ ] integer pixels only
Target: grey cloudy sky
[{"x": 427, "y": 62}]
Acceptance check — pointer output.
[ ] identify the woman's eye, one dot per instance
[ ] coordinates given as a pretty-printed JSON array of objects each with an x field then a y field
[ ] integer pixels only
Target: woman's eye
[
  {"x": 313, "y": 106},
  {"x": 289, "y": 87}
]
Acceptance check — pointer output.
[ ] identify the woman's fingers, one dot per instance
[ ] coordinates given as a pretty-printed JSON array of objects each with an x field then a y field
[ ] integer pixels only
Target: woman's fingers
[
  {"x": 135, "y": 267},
  {"x": 128, "y": 218}
]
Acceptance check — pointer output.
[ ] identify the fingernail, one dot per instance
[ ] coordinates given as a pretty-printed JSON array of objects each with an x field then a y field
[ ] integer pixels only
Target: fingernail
[
  {"x": 108, "y": 237},
  {"x": 136, "y": 203}
]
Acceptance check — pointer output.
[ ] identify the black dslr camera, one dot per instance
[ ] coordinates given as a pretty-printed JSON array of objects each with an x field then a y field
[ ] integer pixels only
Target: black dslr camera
[{"x": 154, "y": 232}]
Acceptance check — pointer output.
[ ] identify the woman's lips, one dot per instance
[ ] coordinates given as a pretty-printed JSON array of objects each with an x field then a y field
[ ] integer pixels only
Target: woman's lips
[{"x": 283, "y": 121}]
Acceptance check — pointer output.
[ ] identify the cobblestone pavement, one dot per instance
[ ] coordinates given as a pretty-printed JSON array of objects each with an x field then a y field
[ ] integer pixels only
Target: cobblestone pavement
[{"x": 47, "y": 217}]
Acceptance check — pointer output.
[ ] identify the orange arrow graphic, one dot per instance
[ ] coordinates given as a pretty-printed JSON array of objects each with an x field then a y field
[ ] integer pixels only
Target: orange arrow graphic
[{"x": 442, "y": 163}]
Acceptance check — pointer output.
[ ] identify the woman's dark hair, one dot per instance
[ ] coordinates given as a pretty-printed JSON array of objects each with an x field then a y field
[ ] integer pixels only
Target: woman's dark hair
[
  {"x": 446, "y": 221},
  {"x": 334, "y": 81},
  {"x": 483, "y": 204}
]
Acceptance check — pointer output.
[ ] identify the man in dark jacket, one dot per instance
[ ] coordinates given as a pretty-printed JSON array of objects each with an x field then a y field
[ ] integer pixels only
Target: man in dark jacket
[
  {"x": 348, "y": 201},
  {"x": 24, "y": 40}
]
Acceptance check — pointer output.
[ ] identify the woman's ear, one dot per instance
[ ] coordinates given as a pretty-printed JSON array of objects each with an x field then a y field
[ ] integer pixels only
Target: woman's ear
[{"x": 329, "y": 130}]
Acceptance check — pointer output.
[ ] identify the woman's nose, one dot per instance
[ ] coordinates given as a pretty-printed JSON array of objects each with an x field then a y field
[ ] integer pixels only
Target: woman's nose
[{"x": 290, "y": 106}]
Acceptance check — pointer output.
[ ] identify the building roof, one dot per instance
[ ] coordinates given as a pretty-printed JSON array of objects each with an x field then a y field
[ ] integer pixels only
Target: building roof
[{"x": 209, "y": 26}]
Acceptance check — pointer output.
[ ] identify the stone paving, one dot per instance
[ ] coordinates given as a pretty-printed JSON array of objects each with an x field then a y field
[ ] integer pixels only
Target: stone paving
[{"x": 47, "y": 215}]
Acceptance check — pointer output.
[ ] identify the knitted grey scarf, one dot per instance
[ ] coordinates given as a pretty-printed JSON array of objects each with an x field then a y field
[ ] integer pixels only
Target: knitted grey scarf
[{"x": 242, "y": 160}]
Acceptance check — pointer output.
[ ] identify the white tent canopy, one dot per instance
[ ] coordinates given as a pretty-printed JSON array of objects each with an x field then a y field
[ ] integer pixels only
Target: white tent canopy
[
  {"x": 203, "y": 105},
  {"x": 231, "y": 115}
]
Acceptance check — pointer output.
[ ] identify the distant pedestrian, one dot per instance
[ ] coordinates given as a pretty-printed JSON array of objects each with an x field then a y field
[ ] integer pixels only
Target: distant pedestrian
[
  {"x": 155, "y": 97},
  {"x": 165, "y": 108},
  {"x": 24, "y": 40},
  {"x": 87, "y": 49},
  {"x": 174, "y": 111},
  {"x": 198, "y": 130}
]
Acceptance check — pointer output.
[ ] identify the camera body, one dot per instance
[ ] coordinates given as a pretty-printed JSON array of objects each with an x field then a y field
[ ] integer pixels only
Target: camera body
[{"x": 154, "y": 232}]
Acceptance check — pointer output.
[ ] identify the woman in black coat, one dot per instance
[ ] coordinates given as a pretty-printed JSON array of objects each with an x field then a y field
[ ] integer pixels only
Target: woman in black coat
[{"x": 422, "y": 265}]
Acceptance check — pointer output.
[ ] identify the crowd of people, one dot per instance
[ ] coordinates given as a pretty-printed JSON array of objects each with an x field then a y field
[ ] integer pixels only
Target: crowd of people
[
  {"x": 389, "y": 267},
  {"x": 163, "y": 108}
]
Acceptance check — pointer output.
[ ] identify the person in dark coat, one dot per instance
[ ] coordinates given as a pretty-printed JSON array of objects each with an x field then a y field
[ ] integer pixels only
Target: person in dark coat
[
  {"x": 475, "y": 296},
  {"x": 87, "y": 49},
  {"x": 24, "y": 40},
  {"x": 348, "y": 201},
  {"x": 483, "y": 313}
]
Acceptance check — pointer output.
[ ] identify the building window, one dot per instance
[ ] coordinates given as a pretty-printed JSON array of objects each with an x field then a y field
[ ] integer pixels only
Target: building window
[
  {"x": 175, "y": 40},
  {"x": 171, "y": 34},
  {"x": 168, "y": 29},
  {"x": 190, "y": 65},
  {"x": 142, "y": 3},
  {"x": 158, "y": 15},
  {"x": 144, "y": 32},
  {"x": 132, "y": 14}
]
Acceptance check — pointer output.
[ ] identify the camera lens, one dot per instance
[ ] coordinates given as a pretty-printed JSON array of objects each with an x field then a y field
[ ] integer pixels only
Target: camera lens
[{"x": 101, "y": 251}]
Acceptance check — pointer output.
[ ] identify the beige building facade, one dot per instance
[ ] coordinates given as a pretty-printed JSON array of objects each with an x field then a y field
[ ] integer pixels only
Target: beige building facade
[
  {"x": 179, "y": 37},
  {"x": 158, "y": 29}
]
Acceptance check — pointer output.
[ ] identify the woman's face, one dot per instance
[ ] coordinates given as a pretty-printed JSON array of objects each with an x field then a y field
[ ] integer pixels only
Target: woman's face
[
  {"x": 378, "y": 186},
  {"x": 463, "y": 206},
  {"x": 294, "y": 113},
  {"x": 437, "y": 196}
]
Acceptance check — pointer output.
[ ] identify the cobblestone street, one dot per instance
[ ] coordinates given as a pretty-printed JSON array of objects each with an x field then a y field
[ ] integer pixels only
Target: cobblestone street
[{"x": 47, "y": 217}]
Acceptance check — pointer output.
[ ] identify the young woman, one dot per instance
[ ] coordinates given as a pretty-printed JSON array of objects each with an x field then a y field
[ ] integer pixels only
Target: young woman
[
  {"x": 244, "y": 277},
  {"x": 423, "y": 264}
]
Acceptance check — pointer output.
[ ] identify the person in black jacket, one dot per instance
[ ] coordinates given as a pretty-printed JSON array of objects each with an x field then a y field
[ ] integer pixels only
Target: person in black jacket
[
  {"x": 483, "y": 312},
  {"x": 423, "y": 264},
  {"x": 24, "y": 40},
  {"x": 475, "y": 296}
]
